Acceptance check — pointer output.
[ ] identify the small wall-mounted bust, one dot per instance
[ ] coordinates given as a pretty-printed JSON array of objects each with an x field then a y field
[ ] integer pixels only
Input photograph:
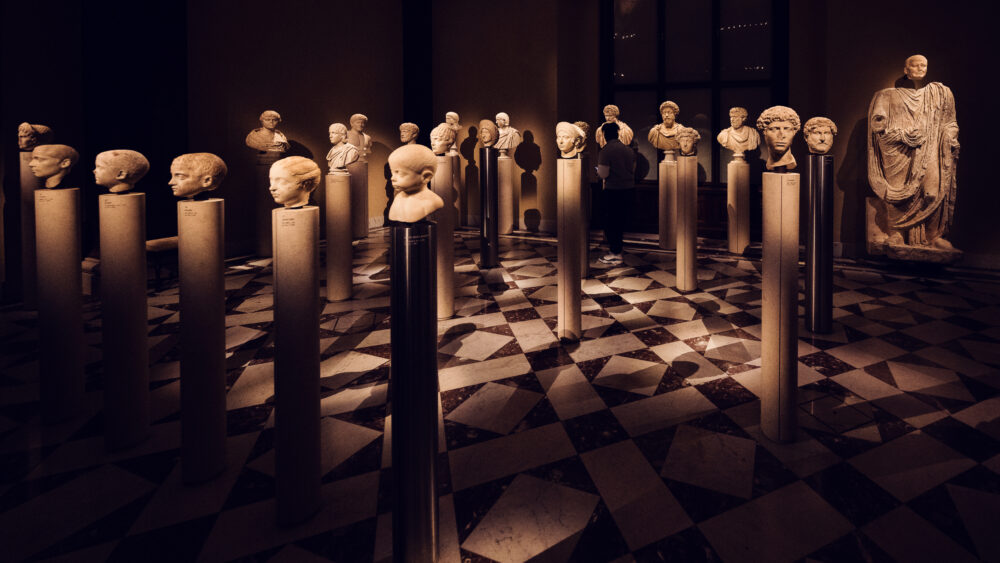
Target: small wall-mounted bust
[
  {"x": 119, "y": 170},
  {"x": 738, "y": 137},
  {"x": 687, "y": 140},
  {"x": 488, "y": 133},
  {"x": 442, "y": 138},
  {"x": 585, "y": 127},
  {"x": 342, "y": 153},
  {"x": 819, "y": 133},
  {"x": 267, "y": 138},
  {"x": 293, "y": 178},
  {"x": 357, "y": 136},
  {"x": 569, "y": 139},
  {"x": 507, "y": 137},
  {"x": 30, "y": 135},
  {"x": 193, "y": 173},
  {"x": 408, "y": 133},
  {"x": 52, "y": 163},
  {"x": 663, "y": 135},
  {"x": 625, "y": 133},
  {"x": 412, "y": 167},
  {"x": 779, "y": 125}
]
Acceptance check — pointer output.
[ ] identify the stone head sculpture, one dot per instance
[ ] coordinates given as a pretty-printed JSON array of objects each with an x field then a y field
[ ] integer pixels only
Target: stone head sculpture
[
  {"x": 119, "y": 170},
  {"x": 737, "y": 117},
  {"x": 688, "y": 139},
  {"x": 292, "y": 180},
  {"x": 412, "y": 167},
  {"x": 267, "y": 138},
  {"x": 503, "y": 120},
  {"x": 270, "y": 119},
  {"x": 193, "y": 173},
  {"x": 358, "y": 122},
  {"x": 916, "y": 67},
  {"x": 30, "y": 135},
  {"x": 338, "y": 133},
  {"x": 585, "y": 127},
  {"x": 668, "y": 112},
  {"x": 408, "y": 133},
  {"x": 488, "y": 133},
  {"x": 611, "y": 112},
  {"x": 52, "y": 163},
  {"x": 452, "y": 119},
  {"x": 569, "y": 139},
  {"x": 442, "y": 137},
  {"x": 779, "y": 125},
  {"x": 819, "y": 133}
]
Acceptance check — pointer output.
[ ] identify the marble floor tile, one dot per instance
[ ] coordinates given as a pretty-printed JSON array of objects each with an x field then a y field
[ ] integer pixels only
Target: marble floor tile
[
  {"x": 339, "y": 440},
  {"x": 631, "y": 374},
  {"x": 631, "y": 318},
  {"x": 687, "y": 363},
  {"x": 936, "y": 332},
  {"x": 476, "y": 321},
  {"x": 486, "y": 461},
  {"x": 694, "y": 458},
  {"x": 911, "y": 410},
  {"x": 864, "y": 385},
  {"x": 534, "y": 335},
  {"x": 353, "y": 398},
  {"x": 932, "y": 381},
  {"x": 490, "y": 370},
  {"x": 649, "y": 295},
  {"x": 672, "y": 310},
  {"x": 911, "y": 465},
  {"x": 345, "y": 367},
  {"x": 569, "y": 392},
  {"x": 253, "y": 387},
  {"x": 91, "y": 451},
  {"x": 699, "y": 327},
  {"x": 244, "y": 319},
  {"x": 497, "y": 408},
  {"x": 865, "y": 352},
  {"x": 477, "y": 345},
  {"x": 511, "y": 300},
  {"x": 804, "y": 457},
  {"x": 713, "y": 303},
  {"x": 983, "y": 416},
  {"x": 906, "y": 536},
  {"x": 631, "y": 283},
  {"x": 661, "y": 411},
  {"x": 547, "y": 293},
  {"x": 843, "y": 298},
  {"x": 979, "y": 511},
  {"x": 943, "y": 300},
  {"x": 607, "y": 346},
  {"x": 985, "y": 352}
]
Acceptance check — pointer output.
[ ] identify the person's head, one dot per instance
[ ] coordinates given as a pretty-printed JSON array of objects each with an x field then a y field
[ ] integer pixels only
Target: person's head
[
  {"x": 568, "y": 137},
  {"x": 503, "y": 120},
  {"x": 611, "y": 112},
  {"x": 412, "y": 167},
  {"x": 915, "y": 67},
  {"x": 668, "y": 112},
  {"x": 688, "y": 138},
  {"x": 442, "y": 138},
  {"x": 737, "y": 117},
  {"x": 451, "y": 118},
  {"x": 488, "y": 133},
  {"x": 338, "y": 132},
  {"x": 293, "y": 178},
  {"x": 779, "y": 124},
  {"x": 29, "y": 135},
  {"x": 193, "y": 173},
  {"x": 819, "y": 133},
  {"x": 52, "y": 162},
  {"x": 119, "y": 169},
  {"x": 610, "y": 131},
  {"x": 408, "y": 132},
  {"x": 270, "y": 119},
  {"x": 359, "y": 122}
]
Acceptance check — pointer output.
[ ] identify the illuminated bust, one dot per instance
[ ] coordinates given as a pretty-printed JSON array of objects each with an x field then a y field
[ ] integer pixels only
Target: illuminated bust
[
  {"x": 357, "y": 136},
  {"x": 52, "y": 163},
  {"x": 779, "y": 125},
  {"x": 585, "y": 127},
  {"x": 193, "y": 173},
  {"x": 408, "y": 133},
  {"x": 442, "y": 137},
  {"x": 507, "y": 137},
  {"x": 119, "y": 170},
  {"x": 292, "y": 180},
  {"x": 569, "y": 139},
  {"x": 739, "y": 137},
  {"x": 819, "y": 133},
  {"x": 687, "y": 141},
  {"x": 625, "y": 133},
  {"x": 664, "y": 135},
  {"x": 412, "y": 167},
  {"x": 267, "y": 138},
  {"x": 915, "y": 67},
  {"x": 487, "y": 133},
  {"x": 342, "y": 153},
  {"x": 452, "y": 119},
  {"x": 30, "y": 135}
]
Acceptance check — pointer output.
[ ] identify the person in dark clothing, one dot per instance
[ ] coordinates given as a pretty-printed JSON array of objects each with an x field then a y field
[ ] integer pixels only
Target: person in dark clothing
[{"x": 616, "y": 165}]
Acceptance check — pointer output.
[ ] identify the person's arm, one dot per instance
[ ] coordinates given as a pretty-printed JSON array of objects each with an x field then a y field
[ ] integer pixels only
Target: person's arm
[{"x": 603, "y": 170}]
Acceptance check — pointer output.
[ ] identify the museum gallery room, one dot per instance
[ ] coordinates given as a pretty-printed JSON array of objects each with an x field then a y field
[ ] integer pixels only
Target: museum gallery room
[{"x": 462, "y": 281}]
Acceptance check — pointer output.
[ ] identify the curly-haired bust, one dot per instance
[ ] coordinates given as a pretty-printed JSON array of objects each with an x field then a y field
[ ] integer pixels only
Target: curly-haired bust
[{"x": 779, "y": 125}]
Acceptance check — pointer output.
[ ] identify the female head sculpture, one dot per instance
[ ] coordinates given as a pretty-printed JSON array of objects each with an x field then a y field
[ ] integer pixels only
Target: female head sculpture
[
  {"x": 342, "y": 153},
  {"x": 52, "y": 163},
  {"x": 442, "y": 137},
  {"x": 819, "y": 133},
  {"x": 292, "y": 180},
  {"x": 779, "y": 125},
  {"x": 193, "y": 173},
  {"x": 488, "y": 133},
  {"x": 119, "y": 170},
  {"x": 267, "y": 138},
  {"x": 569, "y": 139}
]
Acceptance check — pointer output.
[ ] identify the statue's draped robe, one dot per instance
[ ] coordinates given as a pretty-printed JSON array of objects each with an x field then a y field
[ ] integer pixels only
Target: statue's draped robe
[
  {"x": 341, "y": 155},
  {"x": 912, "y": 157},
  {"x": 507, "y": 138},
  {"x": 625, "y": 134}
]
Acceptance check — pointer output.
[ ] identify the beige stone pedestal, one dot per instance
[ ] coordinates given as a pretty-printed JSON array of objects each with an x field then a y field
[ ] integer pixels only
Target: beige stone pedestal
[
  {"x": 668, "y": 201},
  {"x": 339, "y": 231},
  {"x": 263, "y": 202},
  {"x": 738, "y": 204},
  {"x": 29, "y": 283},
  {"x": 445, "y": 219},
  {"x": 568, "y": 253},
  {"x": 687, "y": 223},
  {"x": 359, "y": 198},
  {"x": 505, "y": 173}
]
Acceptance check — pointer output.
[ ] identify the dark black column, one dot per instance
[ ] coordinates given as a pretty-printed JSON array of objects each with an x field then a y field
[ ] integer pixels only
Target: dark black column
[
  {"x": 413, "y": 391},
  {"x": 819, "y": 245},
  {"x": 489, "y": 197}
]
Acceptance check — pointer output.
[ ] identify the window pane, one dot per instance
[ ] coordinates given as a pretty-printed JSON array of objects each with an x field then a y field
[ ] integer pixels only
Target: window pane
[
  {"x": 696, "y": 112},
  {"x": 745, "y": 39},
  {"x": 638, "y": 110},
  {"x": 754, "y": 100},
  {"x": 688, "y": 54},
  {"x": 635, "y": 41}
]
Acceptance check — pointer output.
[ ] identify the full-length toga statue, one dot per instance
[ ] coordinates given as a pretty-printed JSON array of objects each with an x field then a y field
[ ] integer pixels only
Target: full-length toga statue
[{"x": 912, "y": 156}]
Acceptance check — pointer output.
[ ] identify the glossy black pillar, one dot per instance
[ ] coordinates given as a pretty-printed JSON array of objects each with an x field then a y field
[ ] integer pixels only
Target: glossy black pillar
[
  {"x": 413, "y": 391},
  {"x": 489, "y": 230},
  {"x": 819, "y": 245}
]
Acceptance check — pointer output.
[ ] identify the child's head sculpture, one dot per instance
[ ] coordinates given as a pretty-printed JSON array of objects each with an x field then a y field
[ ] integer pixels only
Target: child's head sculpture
[
  {"x": 292, "y": 180},
  {"x": 412, "y": 167}
]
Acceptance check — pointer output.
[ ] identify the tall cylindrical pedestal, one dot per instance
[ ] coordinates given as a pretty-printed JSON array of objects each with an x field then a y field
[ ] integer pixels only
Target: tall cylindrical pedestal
[
  {"x": 505, "y": 213},
  {"x": 29, "y": 283},
  {"x": 738, "y": 204},
  {"x": 457, "y": 185},
  {"x": 584, "y": 215},
  {"x": 568, "y": 247},
  {"x": 339, "y": 231},
  {"x": 668, "y": 201},
  {"x": 200, "y": 255},
  {"x": 687, "y": 223},
  {"x": 489, "y": 231},
  {"x": 445, "y": 219},
  {"x": 359, "y": 198},
  {"x": 414, "y": 393},
  {"x": 124, "y": 323},
  {"x": 296, "y": 362},
  {"x": 779, "y": 338},
  {"x": 819, "y": 245},
  {"x": 60, "y": 303},
  {"x": 263, "y": 202}
]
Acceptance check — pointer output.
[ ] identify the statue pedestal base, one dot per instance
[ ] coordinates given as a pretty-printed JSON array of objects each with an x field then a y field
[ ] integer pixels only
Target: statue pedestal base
[
  {"x": 779, "y": 318},
  {"x": 819, "y": 245},
  {"x": 445, "y": 219},
  {"x": 883, "y": 240},
  {"x": 585, "y": 208},
  {"x": 60, "y": 303},
  {"x": 124, "y": 324},
  {"x": 668, "y": 201},
  {"x": 569, "y": 241},
  {"x": 263, "y": 202},
  {"x": 687, "y": 223},
  {"x": 413, "y": 386},
  {"x": 738, "y": 204},
  {"x": 200, "y": 256},
  {"x": 505, "y": 213},
  {"x": 296, "y": 363},
  {"x": 359, "y": 198},
  {"x": 457, "y": 185},
  {"x": 339, "y": 252},
  {"x": 489, "y": 231},
  {"x": 29, "y": 270}
]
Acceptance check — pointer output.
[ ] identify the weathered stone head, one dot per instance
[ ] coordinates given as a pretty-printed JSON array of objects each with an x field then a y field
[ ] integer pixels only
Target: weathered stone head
[
  {"x": 779, "y": 125},
  {"x": 442, "y": 137},
  {"x": 119, "y": 170},
  {"x": 408, "y": 133},
  {"x": 503, "y": 120},
  {"x": 737, "y": 117},
  {"x": 358, "y": 122},
  {"x": 30, "y": 135},
  {"x": 488, "y": 133},
  {"x": 668, "y": 112},
  {"x": 819, "y": 133},
  {"x": 52, "y": 163},
  {"x": 916, "y": 67},
  {"x": 270, "y": 119},
  {"x": 569, "y": 138},
  {"x": 688, "y": 139},
  {"x": 193, "y": 173},
  {"x": 611, "y": 112},
  {"x": 292, "y": 180},
  {"x": 452, "y": 119},
  {"x": 338, "y": 133}
]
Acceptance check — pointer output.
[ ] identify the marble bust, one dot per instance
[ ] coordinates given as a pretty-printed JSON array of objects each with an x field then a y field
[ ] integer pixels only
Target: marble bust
[
  {"x": 119, "y": 170},
  {"x": 687, "y": 140},
  {"x": 488, "y": 133},
  {"x": 739, "y": 137},
  {"x": 569, "y": 139},
  {"x": 625, "y": 133},
  {"x": 442, "y": 137},
  {"x": 412, "y": 167},
  {"x": 818, "y": 133},
  {"x": 293, "y": 178},
  {"x": 342, "y": 153},
  {"x": 664, "y": 135},
  {"x": 357, "y": 136},
  {"x": 193, "y": 173},
  {"x": 267, "y": 138},
  {"x": 408, "y": 133},
  {"x": 915, "y": 67},
  {"x": 585, "y": 127},
  {"x": 52, "y": 163},
  {"x": 452, "y": 119},
  {"x": 507, "y": 137},
  {"x": 30, "y": 135},
  {"x": 779, "y": 125}
]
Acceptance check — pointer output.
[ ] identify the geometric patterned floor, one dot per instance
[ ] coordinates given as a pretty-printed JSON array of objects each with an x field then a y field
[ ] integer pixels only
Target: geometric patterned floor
[{"x": 639, "y": 443}]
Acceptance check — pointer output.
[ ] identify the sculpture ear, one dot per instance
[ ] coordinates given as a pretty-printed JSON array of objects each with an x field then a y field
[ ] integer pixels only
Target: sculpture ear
[
  {"x": 426, "y": 175},
  {"x": 65, "y": 163},
  {"x": 206, "y": 180},
  {"x": 121, "y": 175}
]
